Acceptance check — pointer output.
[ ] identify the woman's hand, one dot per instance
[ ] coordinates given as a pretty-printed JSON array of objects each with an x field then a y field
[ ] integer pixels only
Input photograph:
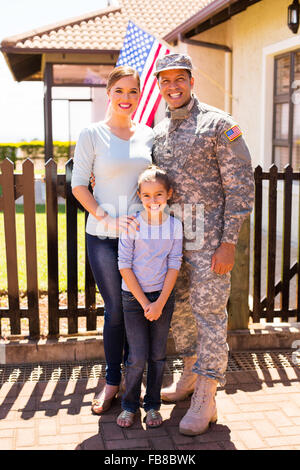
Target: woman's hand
[
  {"x": 124, "y": 224},
  {"x": 153, "y": 311}
]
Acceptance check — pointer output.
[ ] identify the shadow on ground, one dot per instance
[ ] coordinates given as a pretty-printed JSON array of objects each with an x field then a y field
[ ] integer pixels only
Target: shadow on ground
[{"x": 33, "y": 400}]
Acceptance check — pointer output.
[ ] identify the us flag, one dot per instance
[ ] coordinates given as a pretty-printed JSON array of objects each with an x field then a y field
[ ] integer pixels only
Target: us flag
[
  {"x": 233, "y": 133},
  {"x": 141, "y": 50}
]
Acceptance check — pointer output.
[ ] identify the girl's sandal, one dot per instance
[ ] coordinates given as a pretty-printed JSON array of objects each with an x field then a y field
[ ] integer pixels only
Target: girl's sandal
[
  {"x": 153, "y": 415},
  {"x": 127, "y": 417}
]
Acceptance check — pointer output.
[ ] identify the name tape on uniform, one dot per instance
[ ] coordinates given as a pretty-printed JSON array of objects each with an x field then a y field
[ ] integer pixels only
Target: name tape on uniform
[{"x": 233, "y": 133}]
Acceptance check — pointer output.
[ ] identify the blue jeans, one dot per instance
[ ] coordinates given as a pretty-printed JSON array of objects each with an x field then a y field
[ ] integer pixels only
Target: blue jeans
[
  {"x": 147, "y": 343},
  {"x": 103, "y": 258}
]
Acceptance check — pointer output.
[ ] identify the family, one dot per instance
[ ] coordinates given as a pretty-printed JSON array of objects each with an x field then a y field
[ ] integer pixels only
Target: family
[{"x": 164, "y": 218}]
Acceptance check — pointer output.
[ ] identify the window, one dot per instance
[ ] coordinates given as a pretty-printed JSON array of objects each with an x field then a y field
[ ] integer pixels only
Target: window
[
  {"x": 286, "y": 113},
  {"x": 83, "y": 75}
]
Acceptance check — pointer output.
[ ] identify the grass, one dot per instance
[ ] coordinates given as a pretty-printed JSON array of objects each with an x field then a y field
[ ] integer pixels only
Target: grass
[{"x": 41, "y": 237}]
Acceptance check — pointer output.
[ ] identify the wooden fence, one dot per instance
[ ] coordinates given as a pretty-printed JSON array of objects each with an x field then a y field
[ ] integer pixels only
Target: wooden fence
[
  {"x": 16, "y": 185},
  {"x": 264, "y": 306}
]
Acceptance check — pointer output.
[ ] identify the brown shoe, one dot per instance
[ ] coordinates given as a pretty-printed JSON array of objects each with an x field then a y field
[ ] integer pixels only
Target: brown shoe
[{"x": 103, "y": 403}]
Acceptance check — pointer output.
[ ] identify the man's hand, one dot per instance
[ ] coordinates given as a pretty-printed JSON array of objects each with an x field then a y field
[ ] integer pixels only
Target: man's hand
[
  {"x": 222, "y": 260},
  {"x": 153, "y": 311}
]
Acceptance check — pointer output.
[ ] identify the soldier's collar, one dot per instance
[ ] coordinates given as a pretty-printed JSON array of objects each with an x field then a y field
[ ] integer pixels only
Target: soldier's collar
[{"x": 181, "y": 113}]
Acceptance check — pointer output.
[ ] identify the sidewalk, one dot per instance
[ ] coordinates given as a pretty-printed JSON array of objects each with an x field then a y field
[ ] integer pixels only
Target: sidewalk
[{"x": 258, "y": 409}]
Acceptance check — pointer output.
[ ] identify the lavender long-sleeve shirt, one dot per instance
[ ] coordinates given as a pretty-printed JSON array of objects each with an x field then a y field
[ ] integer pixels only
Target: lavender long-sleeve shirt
[{"x": 151, "y": 252}]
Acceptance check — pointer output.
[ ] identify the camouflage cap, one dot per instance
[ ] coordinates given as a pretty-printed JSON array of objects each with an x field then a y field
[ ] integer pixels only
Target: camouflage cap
[{"x": 173, "y": 61}]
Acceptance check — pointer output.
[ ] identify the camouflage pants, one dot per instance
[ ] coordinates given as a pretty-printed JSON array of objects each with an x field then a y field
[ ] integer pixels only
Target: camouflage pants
[{"x": 199, "y": 324}]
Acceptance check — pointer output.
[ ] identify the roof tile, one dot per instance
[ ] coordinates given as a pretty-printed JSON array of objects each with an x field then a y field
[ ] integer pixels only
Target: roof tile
[{"x": 106, "y": 28}]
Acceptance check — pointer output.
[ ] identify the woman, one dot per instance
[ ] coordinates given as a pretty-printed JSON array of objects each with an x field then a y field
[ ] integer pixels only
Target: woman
[{"x": 116, "y": 150}]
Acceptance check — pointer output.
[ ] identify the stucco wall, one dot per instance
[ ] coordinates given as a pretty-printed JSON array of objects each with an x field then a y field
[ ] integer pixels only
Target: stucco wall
[{"x": 209, "y": 66}]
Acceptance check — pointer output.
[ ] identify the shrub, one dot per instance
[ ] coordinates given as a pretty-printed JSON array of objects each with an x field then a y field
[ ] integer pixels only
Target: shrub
[
  {"x": 8, "y": 151},
  {"x": 34, "y": 149}
]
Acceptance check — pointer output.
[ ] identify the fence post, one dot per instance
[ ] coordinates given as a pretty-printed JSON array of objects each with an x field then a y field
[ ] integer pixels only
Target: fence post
[
  {"x": 52, "y": 246},
  {"x": 238, "y": 304},
  {"x": 9, "y": 209},
  {"x": 30, "y": 248},
  {"x": 71, "y": 214}
]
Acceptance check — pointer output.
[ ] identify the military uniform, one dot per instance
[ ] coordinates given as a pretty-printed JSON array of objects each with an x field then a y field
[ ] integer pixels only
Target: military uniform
[{"x": 207, "y": 159}]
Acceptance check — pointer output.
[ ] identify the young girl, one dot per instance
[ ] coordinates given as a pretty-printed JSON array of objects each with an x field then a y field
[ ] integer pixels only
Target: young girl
[
  {"x": 149, "y": 261},
  {"x": 117, "y": 150}
]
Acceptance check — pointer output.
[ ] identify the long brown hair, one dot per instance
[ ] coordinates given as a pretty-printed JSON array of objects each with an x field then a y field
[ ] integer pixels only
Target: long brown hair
[{"x": 120, "y": 72}]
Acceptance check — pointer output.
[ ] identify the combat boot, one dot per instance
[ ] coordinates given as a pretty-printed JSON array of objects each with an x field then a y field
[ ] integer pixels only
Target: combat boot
[
  {"x": 186, "y": 384},
  {"x": 203, "y": 410}
]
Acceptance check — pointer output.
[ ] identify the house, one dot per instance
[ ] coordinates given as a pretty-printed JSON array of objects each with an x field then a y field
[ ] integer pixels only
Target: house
[{"x": 247, "y": 62}]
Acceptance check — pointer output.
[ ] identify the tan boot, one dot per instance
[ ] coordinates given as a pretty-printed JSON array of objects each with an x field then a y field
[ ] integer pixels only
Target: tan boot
[
  {"x": 203, "y": 410},
  {"x": 186, "y": 384}
]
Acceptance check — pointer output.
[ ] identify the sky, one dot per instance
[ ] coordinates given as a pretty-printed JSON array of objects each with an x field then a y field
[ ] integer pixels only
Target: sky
[{"x": 21, "y": 104}]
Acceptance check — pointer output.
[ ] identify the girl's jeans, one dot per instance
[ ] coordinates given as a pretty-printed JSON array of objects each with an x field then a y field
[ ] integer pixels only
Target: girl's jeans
[
  {"x": 103, "y": 258},
  {"x": 147, "y": 343}
]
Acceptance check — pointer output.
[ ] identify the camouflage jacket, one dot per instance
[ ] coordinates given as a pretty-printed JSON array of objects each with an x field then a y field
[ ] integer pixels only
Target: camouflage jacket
[{"x": 207, "y": 168}]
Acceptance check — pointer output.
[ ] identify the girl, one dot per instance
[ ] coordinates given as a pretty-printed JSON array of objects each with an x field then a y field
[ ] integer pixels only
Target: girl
[
  {"x": 149, "y": 262},
  {"x": 116, "y": 150}
]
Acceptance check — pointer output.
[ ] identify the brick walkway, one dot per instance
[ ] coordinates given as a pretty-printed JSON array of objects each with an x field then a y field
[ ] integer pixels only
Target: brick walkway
[{"x": 258, "y": 409}]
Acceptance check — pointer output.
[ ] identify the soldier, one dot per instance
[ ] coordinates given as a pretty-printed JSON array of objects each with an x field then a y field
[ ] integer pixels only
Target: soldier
[{"x": 205, "y": 155}]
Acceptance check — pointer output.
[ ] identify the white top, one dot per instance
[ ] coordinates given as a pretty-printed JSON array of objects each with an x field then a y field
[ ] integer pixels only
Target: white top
[
  {"x": 116, "y": 164},
  {"x": 151, "y": 251}
]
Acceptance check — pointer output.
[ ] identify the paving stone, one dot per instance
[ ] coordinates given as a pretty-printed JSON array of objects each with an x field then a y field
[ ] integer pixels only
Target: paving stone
[
  {"x": 78, "y": 428},
  {"x": 93, "y": 443},
  {"x": 47, "y": 428},
  {"x": 25, "y": 437},
  {"x": 289, "y": 409},
  {"x": 199, "y": 446},
  {"x": 126, "y": 444},
  {"x": 7, "y": 444},
  {"x": 289, "y": 431},
  {"x": 162, "y": 443},
  {"x": 265, "y": 428},
  {"x": 147, "y": 433},
  {"x": 251, "y": 439},
  {"x": 111, "y": 431},
  {"x": 278, "y": 418},
  {"x": 60, "y": 439},
  {"x": 257, "y": 410},
  {"x": 283, "y": 441}
]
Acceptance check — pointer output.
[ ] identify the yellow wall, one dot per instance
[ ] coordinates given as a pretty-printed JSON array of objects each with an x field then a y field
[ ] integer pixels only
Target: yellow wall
[
  {"x": 209, "y": 65},
  {"x": 247, "y": 33}
]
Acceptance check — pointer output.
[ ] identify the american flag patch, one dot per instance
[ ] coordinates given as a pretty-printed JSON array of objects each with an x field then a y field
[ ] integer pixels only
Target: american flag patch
[{"x": 233, "y": 133}]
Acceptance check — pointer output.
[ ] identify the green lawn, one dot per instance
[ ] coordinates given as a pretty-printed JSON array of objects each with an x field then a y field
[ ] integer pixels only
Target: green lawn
[{"x": 42, "y": 250}]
